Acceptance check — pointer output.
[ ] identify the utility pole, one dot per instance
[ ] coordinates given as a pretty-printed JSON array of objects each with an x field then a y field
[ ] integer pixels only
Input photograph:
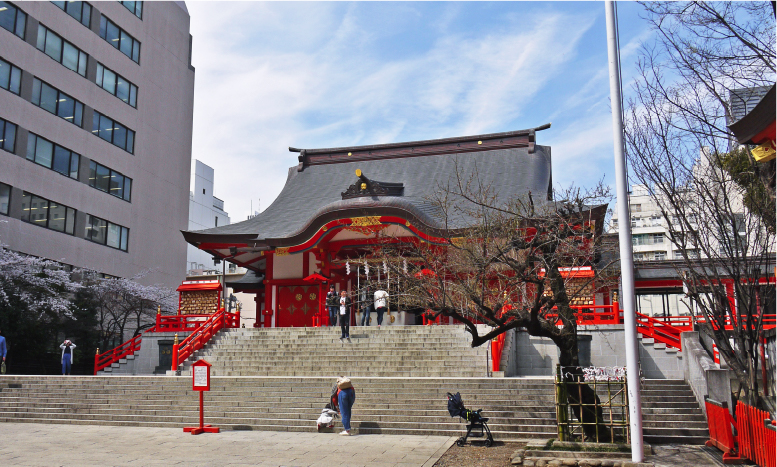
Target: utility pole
[{"x": 624, "y": 237}]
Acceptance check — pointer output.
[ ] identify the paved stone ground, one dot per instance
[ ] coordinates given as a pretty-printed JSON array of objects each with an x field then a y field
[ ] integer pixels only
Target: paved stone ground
[{"x": 29, "y": 444}]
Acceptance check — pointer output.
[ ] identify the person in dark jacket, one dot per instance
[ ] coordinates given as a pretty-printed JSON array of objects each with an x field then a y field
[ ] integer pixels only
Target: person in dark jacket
[
  {"x": 332, "y": 304},
  {"x": 344, "y": 313}
]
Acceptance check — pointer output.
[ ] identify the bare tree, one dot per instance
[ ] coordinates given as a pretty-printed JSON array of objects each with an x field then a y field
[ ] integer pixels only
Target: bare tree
[
  {"x": 678, "y": 147},
  {"x": 506, "y": 268},
  {"x": 124, "y": 306}
]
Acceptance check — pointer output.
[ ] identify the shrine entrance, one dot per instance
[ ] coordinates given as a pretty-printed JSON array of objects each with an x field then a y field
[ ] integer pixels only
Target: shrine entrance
[{"x": 298, "y": 304}]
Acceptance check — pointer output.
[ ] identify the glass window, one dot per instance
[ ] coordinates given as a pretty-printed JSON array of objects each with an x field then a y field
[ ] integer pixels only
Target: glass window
[
  {"x": 133, "y": 96},
  {"x": 120, "y": 135},
  {"x": 10, "y": 77},
  {"x": 109, "y": 181},
  {"x": 57, "y": 214},
  {"x": 96, "y": 229},
  {"x": 117, "y": 184},
  {"x": 70, "y": 222},
  {"x": 109, "y": 81},
  {"x": 124, "y": 238},
  {"x": 106, "y": 233},
  {"x": 61, "y": 50},
  {"x": 119, "y": 38},
  {"x": 61, "y": 162},
  {"x": 57, "y": 102},
  {"x": 103, "y": 178},
  {"x": 7, "y": 136},
  {"x": 48, "y": 98},
  {"x": 113, "y": 132},
  {"x": 106, "y": 128},
  {"x": 122, "y": 89},
  {"x": 134, "y": 7},
  {"x": 5, "y": 198},
  {"x": 53, "y": 156},
  {"x": 12, "y": 19},
  {"x": 114, "y": 236},
  {"x": 127, "y": 188},
  {"x": 81, "y": 11}
]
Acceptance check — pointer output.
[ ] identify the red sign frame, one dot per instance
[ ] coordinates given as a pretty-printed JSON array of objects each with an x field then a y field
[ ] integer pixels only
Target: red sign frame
[{"x": 197, "y": 368}]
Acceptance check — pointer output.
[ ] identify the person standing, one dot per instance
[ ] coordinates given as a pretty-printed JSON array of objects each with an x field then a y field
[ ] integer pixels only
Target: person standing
[
  {"x": 366, "y": 304},
  {"x": 332, "y": 303},
  {"x": 3, "y": 352},
  {"x": 67, "y": 356},
  {"x": 346, "y": 396},
  {"x": 345, "y": 315},
  {"x": 381, "y": 304}
]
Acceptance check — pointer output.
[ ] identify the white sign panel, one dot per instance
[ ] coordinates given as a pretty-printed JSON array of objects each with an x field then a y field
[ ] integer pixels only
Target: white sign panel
[{"x": 200, "y": 376}]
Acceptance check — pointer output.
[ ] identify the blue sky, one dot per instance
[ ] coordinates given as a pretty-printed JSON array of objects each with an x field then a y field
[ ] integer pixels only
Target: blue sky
[{"x": 315, "y": 75}]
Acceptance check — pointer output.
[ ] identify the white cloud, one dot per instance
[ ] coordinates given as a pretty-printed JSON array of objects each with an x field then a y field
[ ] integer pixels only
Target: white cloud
[{"x": 275, "y": 75}]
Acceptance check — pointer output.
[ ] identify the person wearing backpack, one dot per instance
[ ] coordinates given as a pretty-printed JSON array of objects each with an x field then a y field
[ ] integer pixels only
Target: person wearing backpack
[{"x": 346, "y": 396}]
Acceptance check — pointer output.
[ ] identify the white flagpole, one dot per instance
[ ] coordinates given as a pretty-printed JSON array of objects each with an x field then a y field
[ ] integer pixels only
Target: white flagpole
[{"x": 624, "y": 237}]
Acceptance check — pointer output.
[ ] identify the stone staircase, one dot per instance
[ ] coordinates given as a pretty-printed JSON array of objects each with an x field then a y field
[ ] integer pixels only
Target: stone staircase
[
  {"x": 393, "y": 351},
  {"x": 280, "y": 379},
  {"x": 671, "y": 414},
  {"x": 517, "y": 408}
]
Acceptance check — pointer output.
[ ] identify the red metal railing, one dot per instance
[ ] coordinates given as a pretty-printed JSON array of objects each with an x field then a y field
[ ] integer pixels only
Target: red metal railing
[
  {"x": 178, "y": 323},
  {"x": 658, "y": 330},
  {"x": 104, "y": 360},
  {"x": 202, "y": 335},
  {"x": 755, "y": 439}
]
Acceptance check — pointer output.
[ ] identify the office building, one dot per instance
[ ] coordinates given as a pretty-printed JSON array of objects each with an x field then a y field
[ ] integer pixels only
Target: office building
[{"x": 96, "y": 130}]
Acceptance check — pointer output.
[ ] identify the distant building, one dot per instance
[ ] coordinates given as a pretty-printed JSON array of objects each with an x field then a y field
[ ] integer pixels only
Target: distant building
[
  {"x": 205, "y": 212},
  {"x": 96, "y": 108}
]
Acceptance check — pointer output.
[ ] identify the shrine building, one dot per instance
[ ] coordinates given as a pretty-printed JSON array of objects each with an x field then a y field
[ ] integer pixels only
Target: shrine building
[{"x": 337, "y": 202}]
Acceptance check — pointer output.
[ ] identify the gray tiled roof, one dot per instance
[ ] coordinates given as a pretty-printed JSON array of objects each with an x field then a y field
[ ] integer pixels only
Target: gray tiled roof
[{"x": 317, "y": 189}]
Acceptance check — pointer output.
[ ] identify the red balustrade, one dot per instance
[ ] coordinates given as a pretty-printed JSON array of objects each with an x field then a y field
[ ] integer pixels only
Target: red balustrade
[
  {"x": 202, "y": 335},
  {"x": 178, "y": 323},
  {"x": 721, "y": 423},
  {"x": 755, "y": 439},
  {"x": 104, "y": 360},
  {"x": 658, "y": 330}
]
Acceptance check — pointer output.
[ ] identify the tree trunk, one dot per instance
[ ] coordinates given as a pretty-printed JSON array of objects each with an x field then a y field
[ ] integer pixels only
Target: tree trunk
[{"x": 580, "y": 396}]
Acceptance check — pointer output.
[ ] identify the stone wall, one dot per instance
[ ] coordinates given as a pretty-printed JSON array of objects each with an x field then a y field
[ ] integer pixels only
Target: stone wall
[
  {"x": 538, "y": 356},
  {"x": 702, "y": 374}
]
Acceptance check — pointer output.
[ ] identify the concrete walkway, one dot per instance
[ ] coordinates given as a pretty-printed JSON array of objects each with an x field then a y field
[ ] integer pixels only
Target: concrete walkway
[{"x": 32, "y": 444}]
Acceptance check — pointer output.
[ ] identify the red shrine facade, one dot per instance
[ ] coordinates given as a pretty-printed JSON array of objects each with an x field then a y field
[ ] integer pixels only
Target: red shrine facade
[{"x": 338, "y": 203}]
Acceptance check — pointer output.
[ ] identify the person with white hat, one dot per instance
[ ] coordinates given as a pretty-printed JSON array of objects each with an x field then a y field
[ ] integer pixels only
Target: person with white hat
[{"x": 67, "y": 356}]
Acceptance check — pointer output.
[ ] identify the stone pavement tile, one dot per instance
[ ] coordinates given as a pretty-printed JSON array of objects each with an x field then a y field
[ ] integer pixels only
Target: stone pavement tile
[{"x": 674, "y": 455}]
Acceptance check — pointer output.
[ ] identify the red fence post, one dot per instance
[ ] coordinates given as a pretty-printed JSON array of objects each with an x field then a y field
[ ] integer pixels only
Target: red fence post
[{"x": 96, "y": 360}]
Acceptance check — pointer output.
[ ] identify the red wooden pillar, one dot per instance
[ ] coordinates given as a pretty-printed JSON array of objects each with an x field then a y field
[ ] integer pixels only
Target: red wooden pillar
[{"x": 267, "y": 288}]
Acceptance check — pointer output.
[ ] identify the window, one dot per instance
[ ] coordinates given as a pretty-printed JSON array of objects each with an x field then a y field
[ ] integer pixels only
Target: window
[
  {"x": 113, "y": 132},
  {"x": 636, "y": 208},
  {"x": 48, "y": 214},
  {"x": 52, "y": 156},
  {"x": 5, "y": 198},
  {"x": 61, "y": 50},
  {"x": 119, "y": 39},
  {"x": 106, "y": 233},
  {"x": 10, "y": 77},
  {"x": 12, "y": 19},
  {"x": 660, "y": 255},
  {"x": 217, "y": 221},
  {"x": 57, "y": 102},
  {"x": 134, "y": 7},
  {"x": 117, "y": 85},
  {"x": 109, "y": 181},
  {"x": 81, "y": 11},
  {"x": 7, "y": 136},
  {"x": 657, "y": 238}
]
